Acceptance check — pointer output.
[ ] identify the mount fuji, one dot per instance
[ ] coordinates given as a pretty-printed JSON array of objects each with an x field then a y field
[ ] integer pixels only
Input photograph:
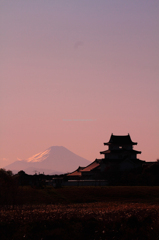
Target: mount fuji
[{"x": 54, "y": 160}]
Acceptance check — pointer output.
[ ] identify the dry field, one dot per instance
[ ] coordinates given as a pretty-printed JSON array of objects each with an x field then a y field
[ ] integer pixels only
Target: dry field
[{"x": 118, "y": 215}]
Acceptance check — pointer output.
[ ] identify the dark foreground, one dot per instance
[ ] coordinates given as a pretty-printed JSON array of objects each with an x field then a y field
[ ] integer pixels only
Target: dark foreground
[{"x": 83, "y": 213}]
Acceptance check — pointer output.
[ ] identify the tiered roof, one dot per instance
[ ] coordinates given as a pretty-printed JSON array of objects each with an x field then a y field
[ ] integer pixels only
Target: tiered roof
[
  {"x": 112, "y": 161},
  {"x": 120, "y": 140},
  {"x": 118, "y": 151}
]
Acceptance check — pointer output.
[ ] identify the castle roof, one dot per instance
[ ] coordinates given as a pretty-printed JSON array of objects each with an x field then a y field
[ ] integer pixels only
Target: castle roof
[
  {"x": 118, "y": 161},
  {"x": 118, "y": 151},
  {"x": 120, "y": 140},
  {"x": 77, "y": 172},
  {"x": 92, "y": 166}
]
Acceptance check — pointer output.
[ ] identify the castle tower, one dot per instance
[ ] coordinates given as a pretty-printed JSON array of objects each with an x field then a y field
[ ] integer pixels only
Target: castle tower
[{"x": 120, "y": 147}]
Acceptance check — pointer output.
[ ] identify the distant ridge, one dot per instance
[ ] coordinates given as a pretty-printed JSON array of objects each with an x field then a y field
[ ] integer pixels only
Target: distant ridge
[{"x": 54, "y": 160}]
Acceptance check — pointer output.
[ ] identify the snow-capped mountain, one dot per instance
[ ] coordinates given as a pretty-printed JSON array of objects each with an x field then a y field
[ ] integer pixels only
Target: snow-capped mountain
[{"x": 54, "y": 160}]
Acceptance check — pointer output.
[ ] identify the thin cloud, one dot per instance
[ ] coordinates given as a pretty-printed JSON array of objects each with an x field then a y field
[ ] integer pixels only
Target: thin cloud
[{"x": 78, "y": 44}]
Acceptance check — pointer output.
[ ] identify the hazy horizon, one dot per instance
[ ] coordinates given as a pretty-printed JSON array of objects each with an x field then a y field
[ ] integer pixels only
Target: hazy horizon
[{"x": 74, "y": 72}]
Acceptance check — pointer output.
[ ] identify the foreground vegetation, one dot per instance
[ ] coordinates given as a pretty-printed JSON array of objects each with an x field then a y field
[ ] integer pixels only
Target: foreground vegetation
[
  {"x": 82, "y": 213},
  {"x": 68, "y": 213},
  {"x": 107, "y": 220}
]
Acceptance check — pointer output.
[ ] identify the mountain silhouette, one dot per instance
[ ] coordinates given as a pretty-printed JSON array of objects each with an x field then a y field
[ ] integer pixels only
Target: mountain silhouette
[{"x": 54, "y": 160}]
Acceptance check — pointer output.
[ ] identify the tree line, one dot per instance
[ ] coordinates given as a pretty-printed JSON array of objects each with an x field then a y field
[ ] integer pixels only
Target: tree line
[{"x": 14, "y": 188}]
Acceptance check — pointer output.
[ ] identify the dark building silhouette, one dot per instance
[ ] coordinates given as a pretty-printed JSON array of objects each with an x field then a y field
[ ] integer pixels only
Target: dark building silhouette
[{"x": 120, "y": 156}]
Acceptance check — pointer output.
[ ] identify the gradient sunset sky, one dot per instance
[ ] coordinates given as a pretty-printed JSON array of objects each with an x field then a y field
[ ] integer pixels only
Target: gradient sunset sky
[{"x": 75, "y": 71}]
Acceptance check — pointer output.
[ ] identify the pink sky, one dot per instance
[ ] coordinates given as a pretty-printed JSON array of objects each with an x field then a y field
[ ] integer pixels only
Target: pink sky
[{"x": 94, "y": 63}]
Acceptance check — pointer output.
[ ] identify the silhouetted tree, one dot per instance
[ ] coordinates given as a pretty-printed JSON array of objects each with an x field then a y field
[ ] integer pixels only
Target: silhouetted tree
[{"x": 8, "y": 188}]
